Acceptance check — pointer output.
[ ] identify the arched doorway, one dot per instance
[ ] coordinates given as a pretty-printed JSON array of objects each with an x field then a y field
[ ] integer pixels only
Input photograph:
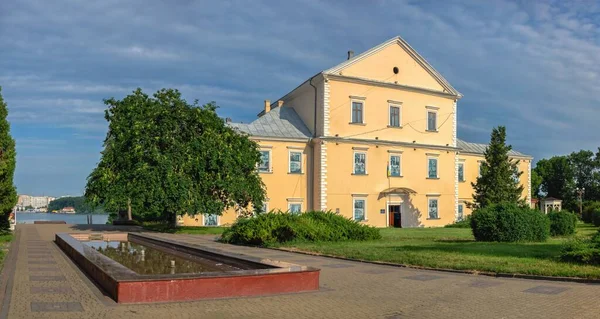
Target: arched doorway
[{"x": 396, "y": 199}]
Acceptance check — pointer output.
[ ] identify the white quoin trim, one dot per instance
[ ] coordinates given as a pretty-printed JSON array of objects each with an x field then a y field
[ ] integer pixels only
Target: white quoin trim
[
  {"x": 326, "y": 107},
  {"x": 324, "y": 176},
  {"x": 529, "y": 183},
  {"x": 454, "y": 123}
]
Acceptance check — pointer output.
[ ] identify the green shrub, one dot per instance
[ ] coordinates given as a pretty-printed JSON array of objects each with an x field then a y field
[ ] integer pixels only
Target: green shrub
[
  {"x": 278, "y": 227},
  {"x": 596, "y": 217},
  {"x": 588, "y": 211},
  {"x": 508, "y": 222},
  {"x": 465, "y": 223},
  {"x": 582, "y": 251},
  {"x": 562, "y": 223}
]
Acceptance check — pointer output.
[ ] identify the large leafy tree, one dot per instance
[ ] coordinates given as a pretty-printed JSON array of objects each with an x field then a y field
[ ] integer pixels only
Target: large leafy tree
[
  {"x": 585, "y": 167},
  {"x": 499, "y": 179},
  {"x": 536, "y": 184},
  {"x": 557, "y": 177},
  {"x": 8, "y": 192},
  {"x": 164, "y": 157}
]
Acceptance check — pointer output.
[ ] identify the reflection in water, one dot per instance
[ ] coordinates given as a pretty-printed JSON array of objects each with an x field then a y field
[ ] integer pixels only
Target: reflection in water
[{"x": 149, "y": 261}]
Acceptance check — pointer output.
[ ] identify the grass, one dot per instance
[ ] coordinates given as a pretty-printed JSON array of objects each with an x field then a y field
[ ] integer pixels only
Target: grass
[
  {"x": 455, "y": 248},
  {"x": 4, "y": 240},
  {"x": 193, "y": 230}
]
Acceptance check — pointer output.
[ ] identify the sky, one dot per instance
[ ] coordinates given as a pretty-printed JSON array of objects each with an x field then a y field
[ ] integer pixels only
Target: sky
[{"x": 532, "y": 66}]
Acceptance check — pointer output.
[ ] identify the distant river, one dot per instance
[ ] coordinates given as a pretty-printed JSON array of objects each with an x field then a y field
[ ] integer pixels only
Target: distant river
[{"x": 29, "y": 218}]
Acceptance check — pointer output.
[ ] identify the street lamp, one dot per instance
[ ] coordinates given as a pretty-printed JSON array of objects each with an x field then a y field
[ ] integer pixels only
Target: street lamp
[{"x": 580, "y": 192}]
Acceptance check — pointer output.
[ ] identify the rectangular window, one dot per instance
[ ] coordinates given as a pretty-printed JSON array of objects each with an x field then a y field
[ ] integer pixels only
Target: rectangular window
[
  {"x": 461, "y": 172},
  {"x": 433, "y": 208},
  {"x": 359, "y": 212},
  {"x": 295, "y": 162},
  {"x": 295, "y": 208},
  {"x": 265, "y": 162},
  {"x": 360, "y": 163},
  {"x": 394, "y": 116},
  {"x": 394, "y": 169},
  {"x": 357, "y": 112},
  {"x": 480, "y": 162},
  {"x": 431, "y": 121},
  {"x": 460, "y": 212},
  {"x": 211, "y": 220},
  {"x": 265, "y": 207},
  {"x": 432, "y": 171}
]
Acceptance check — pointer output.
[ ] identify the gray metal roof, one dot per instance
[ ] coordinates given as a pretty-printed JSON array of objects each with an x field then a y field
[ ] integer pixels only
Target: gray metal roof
[
  {"x": 281, "y": 122},
  {"x": 478, "y": 148}
]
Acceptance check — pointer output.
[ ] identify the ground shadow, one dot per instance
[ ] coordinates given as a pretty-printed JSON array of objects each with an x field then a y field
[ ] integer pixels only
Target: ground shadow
[{"x": 538, "y": 251}]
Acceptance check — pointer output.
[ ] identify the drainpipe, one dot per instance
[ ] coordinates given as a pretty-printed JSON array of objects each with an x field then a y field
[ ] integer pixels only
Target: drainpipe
[{"x": 312, "y": 163}]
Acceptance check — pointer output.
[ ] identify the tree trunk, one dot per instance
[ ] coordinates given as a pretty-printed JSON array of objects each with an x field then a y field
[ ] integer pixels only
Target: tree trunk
[{"x": 129, "y": 209}]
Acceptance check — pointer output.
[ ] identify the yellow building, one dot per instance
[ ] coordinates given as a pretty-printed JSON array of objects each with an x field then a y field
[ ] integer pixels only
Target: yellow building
[{"x": 374, "y": 139}]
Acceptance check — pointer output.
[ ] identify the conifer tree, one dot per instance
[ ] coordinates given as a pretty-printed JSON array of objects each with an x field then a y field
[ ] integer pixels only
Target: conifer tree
[
  {"x": 8, "y": 193},
  {"x": 499, "y": 178}
]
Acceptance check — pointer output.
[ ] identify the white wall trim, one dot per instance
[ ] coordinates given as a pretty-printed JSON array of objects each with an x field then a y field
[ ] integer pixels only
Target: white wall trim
[
  {"x": 326, "y": 107},
  {"x": 529, "y": 184},
  {"x": 323, "y": 176},
  {"x": 456, "y": 181},
  {"x": 454, "y": 123}
]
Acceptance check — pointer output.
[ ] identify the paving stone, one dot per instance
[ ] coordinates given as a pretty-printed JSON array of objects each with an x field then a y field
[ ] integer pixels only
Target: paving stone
[
  {"x": 337, "y": 265},
  {"x": 546, "y": 290},
  {"x": 56, "y": 306},
  {"x": 51, "y": 290},
  {"x": 280, "y": 256},
  {"x": 41, "y": 262},
  {"x": 423, "y": 277},
  {"x": 44, "y": 269},
  {"x": 47, "y": 278},
  {"x": 301, "y": 261},
  {"x": 375, "y": 271},
  {"x": 396, "y": 315},
  {"x": 47, "y": 256},
  {"x": 484, "y": 284}
]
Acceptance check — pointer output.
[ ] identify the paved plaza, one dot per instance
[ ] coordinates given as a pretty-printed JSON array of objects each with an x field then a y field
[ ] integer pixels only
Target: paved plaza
[{"x": 41, "y": 282}]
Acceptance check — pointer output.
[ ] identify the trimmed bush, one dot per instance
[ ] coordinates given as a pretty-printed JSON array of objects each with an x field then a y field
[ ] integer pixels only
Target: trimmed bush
[
  {"x": 465, "y": 223},
  {"x": 588, "y": 211},
  {"x": 508, "y": 222},
  {"x": 562, "y": 223},
  {"x": 279, "y": 227}
]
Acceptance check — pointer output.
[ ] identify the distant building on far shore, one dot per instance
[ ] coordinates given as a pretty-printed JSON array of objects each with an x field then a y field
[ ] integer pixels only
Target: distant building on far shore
[
  {"x": 34, "y": 201},
  {"x": 68, "y": 210}
]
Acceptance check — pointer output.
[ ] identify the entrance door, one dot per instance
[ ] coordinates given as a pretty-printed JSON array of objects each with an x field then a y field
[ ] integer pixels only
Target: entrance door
[{"x": 395, "y": 215}]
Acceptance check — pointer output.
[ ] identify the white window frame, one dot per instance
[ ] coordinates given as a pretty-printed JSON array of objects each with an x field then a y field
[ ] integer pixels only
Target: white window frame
[
  {"x": 457, "y": 170},
  {"x": 361, "y": 101},
  {"x": 290, "y": 151},
  {"x": 434, "y": 110},
  {"x": 354, "y": 199},
  {"x": 437, "y": 166},
  {"x": 459, "y": 216},
  {"x": 437, "y": 199},
  {"x": 265, "y": 207},
  {"x": 390, "y": 163},
  {"x": 290, "y": 203},
  {"x": 354, "y": 163},
  {"x": 270, "y": 166},
  {"x": 399, "y": 106},
  {"x": 479, "y": 168},
  {"x": 204, "y": 221}
]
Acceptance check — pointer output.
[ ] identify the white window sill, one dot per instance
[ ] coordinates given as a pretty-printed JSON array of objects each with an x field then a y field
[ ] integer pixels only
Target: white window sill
[
  {"x": 352, "y": 123},
  {"x": 391, "y": 126}
]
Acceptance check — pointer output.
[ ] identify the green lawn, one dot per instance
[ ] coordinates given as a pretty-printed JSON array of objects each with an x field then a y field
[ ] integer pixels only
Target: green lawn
[
  {"x": 455, "y": 248},
  {"x": 164, "y": 228},
  {"x": 4, "y": 240}
]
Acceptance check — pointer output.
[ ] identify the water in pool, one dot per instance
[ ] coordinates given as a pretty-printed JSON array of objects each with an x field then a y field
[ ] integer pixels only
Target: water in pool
[{"x": 150, "y": 261}]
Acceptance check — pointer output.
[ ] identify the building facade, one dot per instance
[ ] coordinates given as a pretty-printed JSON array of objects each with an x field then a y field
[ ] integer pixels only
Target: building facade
[
  {"x": 373, "y": 139},
  {"x": 36, "y": 202}
]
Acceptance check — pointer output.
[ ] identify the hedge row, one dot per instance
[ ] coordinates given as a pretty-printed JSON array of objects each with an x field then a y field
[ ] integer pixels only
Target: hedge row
[
  {"x": 278, "y": 227},
  {"x": 508, "y": 222},
  {"x": 562, "y": 223}
]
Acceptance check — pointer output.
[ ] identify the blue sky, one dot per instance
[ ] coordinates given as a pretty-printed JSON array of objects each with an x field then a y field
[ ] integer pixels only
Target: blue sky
[{"x": 530, "y": 65}]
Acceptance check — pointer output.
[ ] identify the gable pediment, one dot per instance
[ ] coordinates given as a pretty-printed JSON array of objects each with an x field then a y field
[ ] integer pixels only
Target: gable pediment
[{"x": 394, "y": 61}]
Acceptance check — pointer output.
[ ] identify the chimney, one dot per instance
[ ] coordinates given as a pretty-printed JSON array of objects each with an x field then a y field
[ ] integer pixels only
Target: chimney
[
  {"x": 279, "y": 103},
  {"x": 267, "y": 106},
  {"x": 350, "y": 54}
]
